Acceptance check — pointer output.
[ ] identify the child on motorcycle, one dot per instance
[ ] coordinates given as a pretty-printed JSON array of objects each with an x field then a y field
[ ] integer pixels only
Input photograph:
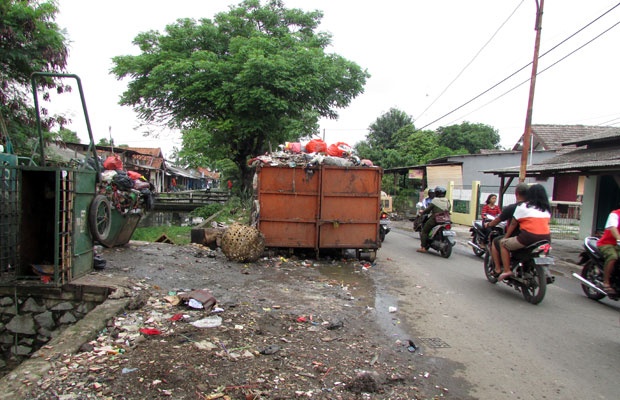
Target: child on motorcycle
[
  {"x": 609, "y": 247},
  {"x": 533, "y": 218}
]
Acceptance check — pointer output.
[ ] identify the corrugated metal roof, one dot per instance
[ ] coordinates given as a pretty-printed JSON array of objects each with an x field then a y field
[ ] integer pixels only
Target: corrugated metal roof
[{"x": 576, "y": 161}]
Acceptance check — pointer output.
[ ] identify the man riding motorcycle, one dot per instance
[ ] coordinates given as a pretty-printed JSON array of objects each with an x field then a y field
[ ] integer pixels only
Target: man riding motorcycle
[
  {"x": 438, "y": 205},
  {"x": 609, "y": 247}
]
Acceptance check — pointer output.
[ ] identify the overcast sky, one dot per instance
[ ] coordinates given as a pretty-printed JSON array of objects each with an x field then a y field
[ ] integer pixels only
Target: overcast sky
[{"x": 413, "y": 50}]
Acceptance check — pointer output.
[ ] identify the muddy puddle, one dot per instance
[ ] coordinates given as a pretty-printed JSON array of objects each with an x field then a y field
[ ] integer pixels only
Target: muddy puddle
[{"x": 370, "y": 294}]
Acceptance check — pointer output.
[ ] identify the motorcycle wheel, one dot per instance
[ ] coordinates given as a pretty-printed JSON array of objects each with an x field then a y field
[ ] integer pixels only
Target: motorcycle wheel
[
  {"x": 381, "y": 235},
  {"x": 589, "y": 273},
  {"x": 478, "y": 241},
  {"x": 446, "y": 248},
  {"x": 489, "y": 268},
  {"x": 535, "y": 285}
]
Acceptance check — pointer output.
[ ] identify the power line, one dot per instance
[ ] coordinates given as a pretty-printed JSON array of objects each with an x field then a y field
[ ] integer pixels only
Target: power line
[
  {"x": 530, "y": 63},
  {"x": 550, "y": 66},
  {"x": 471, "y": 61}
]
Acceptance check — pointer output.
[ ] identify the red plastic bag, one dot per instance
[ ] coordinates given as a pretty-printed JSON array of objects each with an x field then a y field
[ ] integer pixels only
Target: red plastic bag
[
  {"x": 133, "y": 175},
  {"x": 316, "y": 146},
  {"x": 113, "y": 163},
  {"x": 339, "y": 149},
  {"x": 150, "y": 331}
]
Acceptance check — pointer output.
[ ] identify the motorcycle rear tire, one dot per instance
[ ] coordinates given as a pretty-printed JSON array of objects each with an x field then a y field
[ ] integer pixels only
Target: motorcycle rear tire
[
  {"x": 534, "y": 293},
  {"x": 381, "y": 235},
  {"x": 589, "y": 273},
  {"x": 489, "y": 268},
  {"x": 446, "y": 249}
]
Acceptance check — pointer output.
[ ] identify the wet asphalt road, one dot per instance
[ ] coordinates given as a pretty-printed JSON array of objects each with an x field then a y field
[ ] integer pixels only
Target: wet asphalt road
[{"x": 567, "y": 347}]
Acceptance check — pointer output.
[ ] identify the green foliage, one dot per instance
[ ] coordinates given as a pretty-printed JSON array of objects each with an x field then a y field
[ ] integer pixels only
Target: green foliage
[
  {"x": 105, "y": 142},
  {"x": 67, "y": 135},
  {"x": 381, "y": 132},
  {"x": 180, "y": 235},
  {"x": 30, "y": 41},
  {"x": 254, "y": 75},
  {"x": 207, "y": 211},
  {"x": 468, "y": 136}
]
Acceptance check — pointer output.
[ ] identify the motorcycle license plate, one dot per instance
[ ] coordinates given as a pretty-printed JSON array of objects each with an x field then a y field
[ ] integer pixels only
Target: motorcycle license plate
[
  {"x": 449, "y": 233},
  {"x": 544, "y": 261}
]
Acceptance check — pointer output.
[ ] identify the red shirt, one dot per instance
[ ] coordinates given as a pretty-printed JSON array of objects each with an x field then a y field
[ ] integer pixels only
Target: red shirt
[
  {"x": 488, "y": 210},
  {"x": 608, "y": 238}
]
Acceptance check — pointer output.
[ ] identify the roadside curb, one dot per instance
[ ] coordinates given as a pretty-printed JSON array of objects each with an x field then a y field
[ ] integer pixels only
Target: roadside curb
[{"x": 15, "y": 385}]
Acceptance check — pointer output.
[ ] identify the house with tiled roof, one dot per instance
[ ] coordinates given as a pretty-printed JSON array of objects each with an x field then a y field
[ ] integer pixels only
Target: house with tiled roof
[{"x": 595, "y": 157}]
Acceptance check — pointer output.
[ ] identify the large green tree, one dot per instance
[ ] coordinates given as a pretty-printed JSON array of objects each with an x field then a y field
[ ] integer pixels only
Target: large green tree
[
  {"x": 30, "y": 41},
  {"x": 381, "y": 132},
  {"x": 253, "y": 76},
  {"x": 472, "y": 137}
]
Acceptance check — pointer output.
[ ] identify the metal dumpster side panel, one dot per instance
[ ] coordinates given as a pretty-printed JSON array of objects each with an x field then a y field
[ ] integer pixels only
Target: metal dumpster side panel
[
  {"x": 350, "y": 207},
  {"x": 82, "y": 262},
  {"x": 289, "y": 201}
]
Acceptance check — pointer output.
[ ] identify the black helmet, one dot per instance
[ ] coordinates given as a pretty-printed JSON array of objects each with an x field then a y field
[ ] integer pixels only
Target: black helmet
[
  {"x": 440, "y": 191},
  {"x": 431, "y": 192}
]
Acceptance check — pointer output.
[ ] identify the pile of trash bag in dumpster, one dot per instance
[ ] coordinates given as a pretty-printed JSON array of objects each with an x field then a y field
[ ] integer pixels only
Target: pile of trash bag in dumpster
[
  {"x": 313, "y": 153},
  {"x": 127, "y": 191}
]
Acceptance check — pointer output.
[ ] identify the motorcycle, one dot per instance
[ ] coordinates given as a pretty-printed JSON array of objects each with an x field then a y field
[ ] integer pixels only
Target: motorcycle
[
  {"x": 530, "y": 268},
  {"x": 479, "y": 236},
  {"x": 384, "y": 225},
  {"x": 591, "y": 277},
  {"x": 441, "y": 238}
]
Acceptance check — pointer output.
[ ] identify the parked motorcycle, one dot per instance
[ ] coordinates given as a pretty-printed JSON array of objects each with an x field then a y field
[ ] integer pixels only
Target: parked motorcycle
[
  {"x": 530, "y": 268},
  {"x": 384, "y": 225},
  {"x": 479, "y": 236},
  {"x": 592, "y": 272}
]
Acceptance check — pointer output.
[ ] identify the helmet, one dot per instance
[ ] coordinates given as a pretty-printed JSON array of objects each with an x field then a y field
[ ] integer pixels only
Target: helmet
[
  {"x": 431, "y": 192},
  {"x": 440, "y": 191}
]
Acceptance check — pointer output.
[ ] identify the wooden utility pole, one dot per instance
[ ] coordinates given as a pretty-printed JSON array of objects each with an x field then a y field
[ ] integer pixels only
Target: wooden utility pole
[{"x": 530, "y": 103}]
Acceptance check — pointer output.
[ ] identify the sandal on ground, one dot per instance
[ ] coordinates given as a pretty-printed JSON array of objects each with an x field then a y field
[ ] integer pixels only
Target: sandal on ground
[
  {"x": 610, "y": 291},
  {"x": 504, "y": 275}
]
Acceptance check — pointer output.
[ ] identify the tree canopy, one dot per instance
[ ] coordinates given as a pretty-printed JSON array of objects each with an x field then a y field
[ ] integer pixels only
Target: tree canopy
[
  {"x": 255, "y": 75},
  {"x": 30, "y": 41},
  {"x": 382, "y": 131},
  {"x": 472, "y": 137}
]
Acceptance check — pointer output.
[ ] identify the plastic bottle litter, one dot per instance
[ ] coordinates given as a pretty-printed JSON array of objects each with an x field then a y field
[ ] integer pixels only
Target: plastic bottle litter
[{"x": 209, "y": 322}]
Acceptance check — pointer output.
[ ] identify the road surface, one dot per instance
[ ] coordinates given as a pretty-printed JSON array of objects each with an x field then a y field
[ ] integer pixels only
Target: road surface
[{"x": 567, "y": 347}]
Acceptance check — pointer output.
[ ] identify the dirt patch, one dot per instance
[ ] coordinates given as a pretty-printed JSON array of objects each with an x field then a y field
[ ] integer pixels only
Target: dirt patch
[{"x": 287, "y": 330}]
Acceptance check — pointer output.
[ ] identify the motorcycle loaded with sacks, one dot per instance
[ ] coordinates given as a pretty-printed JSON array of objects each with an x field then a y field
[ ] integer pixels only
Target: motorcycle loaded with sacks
[
  {"x": 591, "y": 277},
  {"x": 530, "y": 267}
]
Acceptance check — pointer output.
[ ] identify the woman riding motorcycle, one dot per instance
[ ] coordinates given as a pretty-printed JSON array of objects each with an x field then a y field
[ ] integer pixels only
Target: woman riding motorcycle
[{"x": 532, "y": 218}]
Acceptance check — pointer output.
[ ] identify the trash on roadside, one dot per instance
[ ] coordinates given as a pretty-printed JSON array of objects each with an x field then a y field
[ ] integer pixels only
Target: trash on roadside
[
  {"x": 212, "y": 321},
  {"x": 392, "y": 309},
  {"x": 150, "y": 331},
  {"x": 176, "y": 317},
  {"x": 128, "y": 370},
  {"x": 412, "y": 347},
  {"x": 271, "y": 349},
  {"x": 335, "y": 324},
  {"x": 199, "y": 299}
]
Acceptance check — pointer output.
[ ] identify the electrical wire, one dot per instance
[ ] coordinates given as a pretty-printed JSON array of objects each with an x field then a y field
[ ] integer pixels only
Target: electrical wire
[
  {"x": 540, "y": 72},
  {"x": 470, "y": 62},
  {"x": 530, "y": 63}
]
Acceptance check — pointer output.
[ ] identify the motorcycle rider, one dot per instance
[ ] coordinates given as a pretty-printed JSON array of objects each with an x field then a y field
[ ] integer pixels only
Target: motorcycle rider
[
  {"x": 533, "y": 218},
  {"x": 505, "y": 215},
  {"x": 609, "y": 247},
  {"x": 430, "y": 195},
  {"x": 438, "y": 205}
]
